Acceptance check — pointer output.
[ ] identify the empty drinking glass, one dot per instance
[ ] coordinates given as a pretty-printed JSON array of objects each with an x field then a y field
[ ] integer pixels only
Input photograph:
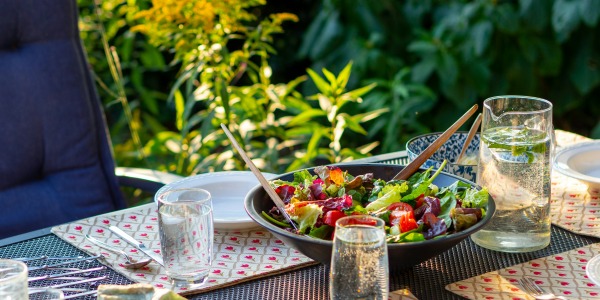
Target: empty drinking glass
[
  {"x": 46, "y": 294},
  {"x": 13, "y": 280},
  {"x": 359, "y": 262},
  {"x": 186, "y": 235}
]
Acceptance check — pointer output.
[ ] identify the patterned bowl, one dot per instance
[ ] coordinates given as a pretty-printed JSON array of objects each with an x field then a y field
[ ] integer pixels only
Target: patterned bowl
[{"x": 449, "y": 151}]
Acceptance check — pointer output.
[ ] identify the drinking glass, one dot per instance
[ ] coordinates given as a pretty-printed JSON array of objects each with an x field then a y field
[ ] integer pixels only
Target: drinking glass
[
  {"x": 46, "y": 294},
  {"x": 13, "y": 280},
  {"x": 186, "y": 235},
  {"x": 359, "y": 262},
  {"x": 515, "y": 154}
]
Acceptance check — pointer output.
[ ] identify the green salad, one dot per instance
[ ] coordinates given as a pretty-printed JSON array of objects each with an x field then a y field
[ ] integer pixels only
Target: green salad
[{"x": 413, "y": 210}]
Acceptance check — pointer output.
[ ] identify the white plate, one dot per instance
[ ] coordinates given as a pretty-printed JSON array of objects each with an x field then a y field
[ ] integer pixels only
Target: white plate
[
  {"x": 592, "y": 269},
  {"x": 228, "y": 190},
  {"x": 580, "y": 161}
]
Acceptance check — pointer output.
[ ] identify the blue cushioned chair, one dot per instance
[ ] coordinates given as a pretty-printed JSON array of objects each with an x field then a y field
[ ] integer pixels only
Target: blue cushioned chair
[{"x": 56, "y": 163}]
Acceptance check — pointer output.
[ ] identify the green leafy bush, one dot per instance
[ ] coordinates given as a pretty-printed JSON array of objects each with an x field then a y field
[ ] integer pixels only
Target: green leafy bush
[
  {"x": 220, "y": 55},
  {"x": 169, "y": 72},
  {"x": 434, "y": 59}
]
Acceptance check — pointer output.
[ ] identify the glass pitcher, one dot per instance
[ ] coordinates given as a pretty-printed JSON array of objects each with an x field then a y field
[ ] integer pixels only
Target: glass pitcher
[{"x": 515, "y": 154}]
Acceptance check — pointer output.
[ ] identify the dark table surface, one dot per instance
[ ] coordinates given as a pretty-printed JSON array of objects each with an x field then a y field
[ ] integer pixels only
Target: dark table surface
[{"x": 426, "y": 280}]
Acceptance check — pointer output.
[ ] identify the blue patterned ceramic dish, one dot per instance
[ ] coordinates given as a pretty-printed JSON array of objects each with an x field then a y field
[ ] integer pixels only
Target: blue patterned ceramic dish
[{"x": 449, "y": 151}]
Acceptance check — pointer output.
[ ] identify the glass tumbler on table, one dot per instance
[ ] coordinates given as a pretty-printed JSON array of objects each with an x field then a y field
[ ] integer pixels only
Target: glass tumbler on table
[
  {"x": 46, "y": 294},
  {"x": 515, "y": 154},
  {"x": 359, "y": 260},
  {"x": 186, "y": 235},
  {"x": 13, "y": 280}
]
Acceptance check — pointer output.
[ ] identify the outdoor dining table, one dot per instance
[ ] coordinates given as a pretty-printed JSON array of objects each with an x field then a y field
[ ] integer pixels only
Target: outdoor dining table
[{"x": 426, "y": 280}]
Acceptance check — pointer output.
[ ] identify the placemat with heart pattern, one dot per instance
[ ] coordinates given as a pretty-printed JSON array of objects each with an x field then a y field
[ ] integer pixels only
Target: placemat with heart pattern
[
  {"x": 563, "y": 274},
  {"x": 238, "y": 255},
  {"x": 572, "y": 207}
]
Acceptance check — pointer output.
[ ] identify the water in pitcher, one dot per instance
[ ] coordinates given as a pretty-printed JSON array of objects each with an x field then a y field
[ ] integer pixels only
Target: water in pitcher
[{"x": 515, "y": 167}]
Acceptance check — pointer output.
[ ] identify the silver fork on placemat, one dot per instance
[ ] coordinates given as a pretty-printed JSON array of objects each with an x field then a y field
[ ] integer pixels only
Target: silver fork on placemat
[{"x": 536, "y": 291}]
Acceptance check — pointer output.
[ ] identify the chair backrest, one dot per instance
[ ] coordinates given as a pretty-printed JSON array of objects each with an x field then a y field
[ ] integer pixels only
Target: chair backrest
[{"x": 56, "y": 161}]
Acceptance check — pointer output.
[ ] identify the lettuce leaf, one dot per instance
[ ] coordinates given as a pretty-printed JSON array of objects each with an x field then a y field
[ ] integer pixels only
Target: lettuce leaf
[
  {"x": 393, "y": 194},
  {"x": 447, "y": 202},
  {"x": 304, "y": 176},
  {"x": 339, "y": 203},
  {"x": 449, "y": 198},
  {"x": 322, "y": 232},
  {"x": 476, "y": 198},
  {"x": 421, "y": 184},
  {"x": 378, "y": 186},
  {"x": 285, "y": 192},
  {"x": 414, "y": 235},
  {"x": 356, "y": 209},
  {"x": 275, "y": 221},
  {"x": 305, "y": 216},
  {"x": 463, "y": 219}
]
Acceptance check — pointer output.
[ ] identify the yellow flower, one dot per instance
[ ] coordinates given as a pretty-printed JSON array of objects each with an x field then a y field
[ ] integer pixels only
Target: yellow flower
[
  {"x": 280, "y": 17},
  {"x": 184, "y": 25}
]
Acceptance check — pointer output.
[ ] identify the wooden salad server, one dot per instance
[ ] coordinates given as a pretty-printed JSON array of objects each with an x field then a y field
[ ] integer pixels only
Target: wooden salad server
[
  {"x": 413, "y": 166},
  {"x": 470, "y": 136},
  {"x": 261, "y": 178}
]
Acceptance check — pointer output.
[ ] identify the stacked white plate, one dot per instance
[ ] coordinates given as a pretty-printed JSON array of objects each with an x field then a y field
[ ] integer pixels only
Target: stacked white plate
[
  {"x": 228, "y": 190},
  {"x": 581, "y": 161}
]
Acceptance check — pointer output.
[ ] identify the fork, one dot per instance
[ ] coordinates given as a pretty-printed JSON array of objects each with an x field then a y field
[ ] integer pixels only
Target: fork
[{"x": 536, "y": 291}]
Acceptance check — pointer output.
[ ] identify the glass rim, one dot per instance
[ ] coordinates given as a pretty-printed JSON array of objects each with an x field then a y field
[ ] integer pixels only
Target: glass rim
[
  {"x": 19, "y": 267},
  {"x": 378, "y": 221},
  {"x": 486, "y": 103},
  {"x": 164, "y": 194},
  {"x": 48, "y": 291}
]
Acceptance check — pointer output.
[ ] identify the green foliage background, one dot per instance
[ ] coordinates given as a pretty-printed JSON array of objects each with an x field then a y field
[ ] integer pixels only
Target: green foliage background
[
  {"x": 434, "y": 59},
  {"x": 429, "y": 60}
]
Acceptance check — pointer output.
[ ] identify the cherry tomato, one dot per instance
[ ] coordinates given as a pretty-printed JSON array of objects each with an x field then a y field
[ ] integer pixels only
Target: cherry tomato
[
  {"x": 420, "y": 200},
  {"x": 403, "y": 206},
  {"x": 402, "y": 215},
  {"x": 369, "y": 222},
  {"x": 332, "y": 216}
]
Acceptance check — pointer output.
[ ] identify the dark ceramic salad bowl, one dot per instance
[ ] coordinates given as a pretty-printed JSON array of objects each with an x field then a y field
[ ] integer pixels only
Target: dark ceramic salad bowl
[{"x": 401, "y": 255}]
